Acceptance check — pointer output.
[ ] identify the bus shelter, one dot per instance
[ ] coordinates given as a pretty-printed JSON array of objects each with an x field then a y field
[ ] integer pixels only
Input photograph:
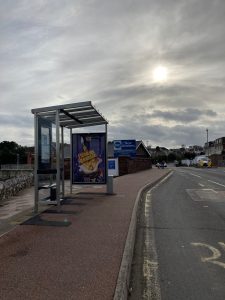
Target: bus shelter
[{"x": 49, "y": 160}]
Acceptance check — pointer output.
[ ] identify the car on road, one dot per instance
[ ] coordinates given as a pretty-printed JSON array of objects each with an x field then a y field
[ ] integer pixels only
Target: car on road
[
  {"x": 163, "y": 165},
  {"x": 202, "y": 161}
]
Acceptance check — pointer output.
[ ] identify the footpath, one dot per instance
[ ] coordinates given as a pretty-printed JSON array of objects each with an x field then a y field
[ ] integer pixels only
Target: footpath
[{"x": 88, "y": 259}]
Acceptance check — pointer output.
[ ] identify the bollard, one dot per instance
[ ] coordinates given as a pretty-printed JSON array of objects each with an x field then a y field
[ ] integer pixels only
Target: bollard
[{"x": 110, "y": 185}]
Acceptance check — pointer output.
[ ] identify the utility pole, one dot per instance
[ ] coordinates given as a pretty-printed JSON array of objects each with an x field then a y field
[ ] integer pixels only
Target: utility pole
[{"x": 207, "y": 140}]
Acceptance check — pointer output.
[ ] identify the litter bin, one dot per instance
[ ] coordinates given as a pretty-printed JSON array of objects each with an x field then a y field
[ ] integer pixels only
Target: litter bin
[{"x": 53, "y": 193}]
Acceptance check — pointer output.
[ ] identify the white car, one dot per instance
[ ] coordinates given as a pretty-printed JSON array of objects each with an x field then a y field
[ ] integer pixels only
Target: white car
[{"x": 163, "y": 165}]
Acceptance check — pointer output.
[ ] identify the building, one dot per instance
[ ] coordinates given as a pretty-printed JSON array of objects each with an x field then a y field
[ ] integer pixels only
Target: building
[
  {"x": 141, "y": 150},
  {"x": 127, "y": 165},
  {"x": 215, "y": 147},
  {"x": 216, "y": 151}
]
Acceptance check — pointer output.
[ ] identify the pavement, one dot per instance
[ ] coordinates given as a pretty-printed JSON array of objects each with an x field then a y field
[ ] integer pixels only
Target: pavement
[{"x": 82, "y": 252}]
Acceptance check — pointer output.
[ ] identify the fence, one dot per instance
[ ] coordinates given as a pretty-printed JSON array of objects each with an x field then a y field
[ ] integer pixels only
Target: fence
[{"x": 128, "y": 165}]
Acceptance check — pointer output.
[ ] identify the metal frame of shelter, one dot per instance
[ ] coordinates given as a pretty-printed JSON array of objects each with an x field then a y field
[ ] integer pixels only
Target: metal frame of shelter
[{"x": 70, "y": 116}]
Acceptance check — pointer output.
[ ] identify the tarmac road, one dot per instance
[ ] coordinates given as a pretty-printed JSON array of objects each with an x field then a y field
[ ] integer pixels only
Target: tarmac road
[{"x": 180, "y": 245}]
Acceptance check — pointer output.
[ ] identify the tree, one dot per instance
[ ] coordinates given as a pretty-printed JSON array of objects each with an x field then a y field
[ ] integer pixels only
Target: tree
[
  {"x": 189, "y": 155},
  {"x": 172, "y": 157},
  {"x": 9, "y": 151}
]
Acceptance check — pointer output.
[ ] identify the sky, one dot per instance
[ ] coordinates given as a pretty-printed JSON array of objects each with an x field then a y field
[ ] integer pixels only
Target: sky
[{"x": 154, "y": 69}]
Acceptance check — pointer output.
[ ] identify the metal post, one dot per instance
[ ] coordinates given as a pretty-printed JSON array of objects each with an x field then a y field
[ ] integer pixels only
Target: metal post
[
  {"x": 63, "y": 183},
  {"x": 109, "y": 179},
  {"x": 106, "y": 150},
  {"x": 57, "y": 160},
  {"x": 110, "y": 185},
  {"x": 207, "y": 139},
  {"x": 36, "y": 179},
  {"x": 71, "y": 160}
]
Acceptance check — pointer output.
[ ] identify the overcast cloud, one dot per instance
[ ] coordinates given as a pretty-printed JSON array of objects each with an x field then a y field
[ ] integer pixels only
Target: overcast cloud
[{"x": 59, "y": 52}]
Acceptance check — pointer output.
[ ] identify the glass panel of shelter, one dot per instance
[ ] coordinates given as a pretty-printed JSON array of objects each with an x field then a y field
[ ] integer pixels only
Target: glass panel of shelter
[{"x": 46, "y": 168}]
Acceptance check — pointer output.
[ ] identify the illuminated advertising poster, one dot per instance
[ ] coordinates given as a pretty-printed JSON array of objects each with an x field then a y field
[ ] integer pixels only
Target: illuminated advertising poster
[
  {"x": 44, "y": 143},
  {"x": 89, "y": 158}
]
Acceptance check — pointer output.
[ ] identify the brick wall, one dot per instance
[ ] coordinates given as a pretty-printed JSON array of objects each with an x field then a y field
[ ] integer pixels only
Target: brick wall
[
  {"x": 128, "y": 165},
  {"x": 217, "y": 160}
]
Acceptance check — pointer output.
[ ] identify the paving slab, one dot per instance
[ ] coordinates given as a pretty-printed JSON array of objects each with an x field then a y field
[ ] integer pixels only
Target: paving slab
[{"x": 79, "y": 261}]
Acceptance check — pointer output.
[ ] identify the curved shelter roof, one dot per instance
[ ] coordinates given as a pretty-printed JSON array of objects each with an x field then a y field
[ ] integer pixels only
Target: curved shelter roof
[{"x": 74, "y": 115}]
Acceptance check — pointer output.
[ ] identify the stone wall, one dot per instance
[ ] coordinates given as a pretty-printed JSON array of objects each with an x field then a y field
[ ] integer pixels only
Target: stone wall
[
  {"x": 11, "y": 186},
  {"x": 9, "y": 173}
]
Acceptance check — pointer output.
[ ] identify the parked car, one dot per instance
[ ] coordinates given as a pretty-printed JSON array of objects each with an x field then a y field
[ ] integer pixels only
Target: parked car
[
  {"x": 163, "y": 165},
  {"x": 202, "y": 161}
]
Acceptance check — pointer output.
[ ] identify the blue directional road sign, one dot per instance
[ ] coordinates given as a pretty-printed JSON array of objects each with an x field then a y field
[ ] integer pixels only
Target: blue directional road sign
[{"x": 124, "y": 148}]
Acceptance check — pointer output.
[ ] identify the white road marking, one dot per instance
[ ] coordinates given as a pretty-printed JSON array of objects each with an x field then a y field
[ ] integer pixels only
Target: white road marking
[
  {"x": 195, "y": 175},
  {"x": 215, "y": 191},
  {"x": 216, "y": 183},
  {"x": 222, "y": 245},
  {"x": 150, "y": 259},
  {"x": 215, "y": 253},
  {"x": 210, "y": 190},
  {"x": 206, "y": 195},
  {"x": 201, "y": 184}
]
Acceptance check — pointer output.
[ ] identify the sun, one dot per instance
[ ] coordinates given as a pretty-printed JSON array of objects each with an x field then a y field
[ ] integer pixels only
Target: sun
[{"x": 160, "y": 74}]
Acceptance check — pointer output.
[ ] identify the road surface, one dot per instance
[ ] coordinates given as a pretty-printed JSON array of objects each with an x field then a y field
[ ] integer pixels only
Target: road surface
[{"x": 180, "y": 243}]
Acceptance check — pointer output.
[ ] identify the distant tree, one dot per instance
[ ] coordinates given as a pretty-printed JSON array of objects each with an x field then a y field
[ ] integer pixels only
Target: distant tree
[
  {"x": 157, "y": 149},
  {"x": 172, "y": 157},
  {"x": 189, "y": 155},
  {"x": 9, "y": 151}
]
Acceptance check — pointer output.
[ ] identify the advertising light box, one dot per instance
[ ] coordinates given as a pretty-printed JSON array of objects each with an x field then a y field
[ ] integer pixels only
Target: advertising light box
[
  {"x": 89, "y": 158},
  {"x": 44, "y": 143}
]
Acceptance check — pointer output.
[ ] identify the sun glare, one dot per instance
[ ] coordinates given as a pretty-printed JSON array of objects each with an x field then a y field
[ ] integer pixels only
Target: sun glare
[{"x": 160, "y": 74}]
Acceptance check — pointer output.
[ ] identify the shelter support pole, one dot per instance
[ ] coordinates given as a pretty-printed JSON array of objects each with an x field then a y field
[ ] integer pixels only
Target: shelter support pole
[
  {"x": 71, "y": 160},
  {"x": 106, "y": 150},
  {"x": 63, "y": 182},
  {"x": 57, "y": 160},
  {"x": 109, "y": 179},
  {"x": 36, "y": 181}
]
